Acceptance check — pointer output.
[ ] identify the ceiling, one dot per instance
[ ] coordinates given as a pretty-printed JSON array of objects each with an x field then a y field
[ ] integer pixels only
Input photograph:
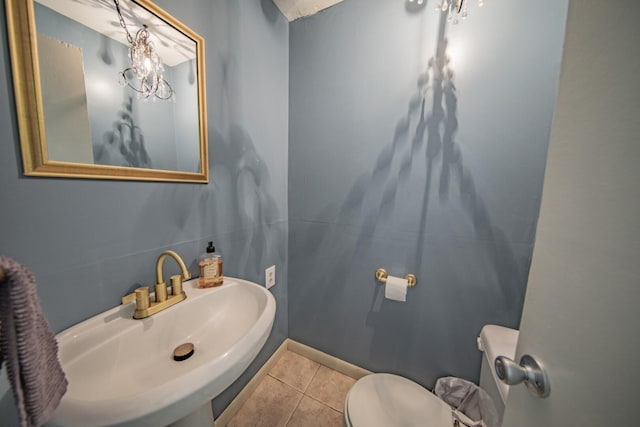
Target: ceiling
[
  {"x": 101, "y": 16},
  {"x": 172, "y": 47},
  {"x": 294, "y": 9}
]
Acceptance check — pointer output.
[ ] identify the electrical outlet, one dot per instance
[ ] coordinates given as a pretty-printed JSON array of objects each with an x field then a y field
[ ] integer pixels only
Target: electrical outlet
[{"x": 270, "y": 276}]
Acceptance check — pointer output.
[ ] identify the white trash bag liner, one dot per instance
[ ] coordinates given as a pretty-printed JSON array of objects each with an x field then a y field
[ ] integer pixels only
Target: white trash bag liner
[{"x": 472, "y": 405}]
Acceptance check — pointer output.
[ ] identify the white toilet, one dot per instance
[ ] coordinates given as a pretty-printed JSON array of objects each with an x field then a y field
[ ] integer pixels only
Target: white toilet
[{"x": 386, "y": 400}]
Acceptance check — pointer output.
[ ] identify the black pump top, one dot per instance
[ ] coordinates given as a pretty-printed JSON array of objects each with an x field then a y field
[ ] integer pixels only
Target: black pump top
[{"x": 211, "y": 248}]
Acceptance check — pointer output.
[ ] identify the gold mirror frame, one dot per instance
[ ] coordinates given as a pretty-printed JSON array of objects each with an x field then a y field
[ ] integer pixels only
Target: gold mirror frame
[{"x": 22, "y": 35}]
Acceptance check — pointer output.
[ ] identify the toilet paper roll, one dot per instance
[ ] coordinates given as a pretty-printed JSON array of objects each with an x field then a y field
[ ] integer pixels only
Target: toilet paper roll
[{"x": 396, "y": 288}]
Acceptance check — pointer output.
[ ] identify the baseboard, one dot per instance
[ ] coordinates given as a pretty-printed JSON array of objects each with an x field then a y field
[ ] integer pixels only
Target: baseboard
[
  {"x": 304, "y": 350},
  {"x": 327, "y": 360}
]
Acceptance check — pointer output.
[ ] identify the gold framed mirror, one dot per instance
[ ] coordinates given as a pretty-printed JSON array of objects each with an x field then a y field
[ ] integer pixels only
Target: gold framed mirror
[{"x": 83, "y": 113}]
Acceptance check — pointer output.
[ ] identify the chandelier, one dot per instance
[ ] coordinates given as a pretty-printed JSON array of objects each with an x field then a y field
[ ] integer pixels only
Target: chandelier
[
  {"x": 457, "y": 9},
  {"x": 145, "y": 73}
]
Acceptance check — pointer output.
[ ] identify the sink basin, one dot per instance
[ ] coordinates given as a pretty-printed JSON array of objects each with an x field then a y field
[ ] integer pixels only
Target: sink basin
[{"x": 121, "y": 371}]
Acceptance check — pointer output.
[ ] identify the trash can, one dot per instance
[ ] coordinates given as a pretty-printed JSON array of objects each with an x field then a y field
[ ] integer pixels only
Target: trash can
[{"x": 472, "y": 406}]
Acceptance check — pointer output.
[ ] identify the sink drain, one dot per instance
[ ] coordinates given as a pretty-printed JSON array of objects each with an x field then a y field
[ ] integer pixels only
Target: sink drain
[{"x": 183, "y": 352}]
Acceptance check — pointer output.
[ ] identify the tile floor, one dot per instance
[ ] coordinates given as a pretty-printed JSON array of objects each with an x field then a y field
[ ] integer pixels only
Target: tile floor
[{"x": 297, "y": 392}]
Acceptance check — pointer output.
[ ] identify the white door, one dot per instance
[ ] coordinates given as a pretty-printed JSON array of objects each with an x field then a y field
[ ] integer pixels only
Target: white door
[{"x": 582, "y": 309}]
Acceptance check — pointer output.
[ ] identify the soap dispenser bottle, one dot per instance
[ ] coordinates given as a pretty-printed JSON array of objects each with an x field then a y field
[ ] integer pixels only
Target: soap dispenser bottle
[{"x": 210, "y": 264}]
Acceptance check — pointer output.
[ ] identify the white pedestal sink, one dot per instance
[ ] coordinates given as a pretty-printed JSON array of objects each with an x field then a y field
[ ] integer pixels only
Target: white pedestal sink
[{"x": 121, "y": 371}]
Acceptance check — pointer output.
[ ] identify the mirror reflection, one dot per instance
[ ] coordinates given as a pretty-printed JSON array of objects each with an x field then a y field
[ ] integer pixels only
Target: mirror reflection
[
  {"x": 90, "y": 116},
  {"x": 108, "y": 89}
]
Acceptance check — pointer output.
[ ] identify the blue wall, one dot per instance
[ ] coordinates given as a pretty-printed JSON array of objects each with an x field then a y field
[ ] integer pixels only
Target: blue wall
[
  {"x": 416, "y": 169},
  {"x": 90, "y": 241}
]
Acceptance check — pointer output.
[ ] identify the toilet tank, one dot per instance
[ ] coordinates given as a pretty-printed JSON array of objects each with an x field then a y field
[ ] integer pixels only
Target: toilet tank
[{"x": 496, "y": 341}]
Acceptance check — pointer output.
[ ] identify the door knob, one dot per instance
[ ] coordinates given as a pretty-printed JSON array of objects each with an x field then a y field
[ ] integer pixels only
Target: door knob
[{"x": 529, "y": 371}]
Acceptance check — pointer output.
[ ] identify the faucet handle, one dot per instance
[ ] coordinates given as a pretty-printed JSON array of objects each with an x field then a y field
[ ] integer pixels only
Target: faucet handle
[
  {"x": 176, "y": 284},
  {"x": 129, "y": 298},
  {"x": 142, "y": 298}
]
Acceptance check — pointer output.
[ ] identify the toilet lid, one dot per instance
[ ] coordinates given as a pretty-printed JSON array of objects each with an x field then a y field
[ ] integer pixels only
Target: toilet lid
[{"x": 383, "y": 400}]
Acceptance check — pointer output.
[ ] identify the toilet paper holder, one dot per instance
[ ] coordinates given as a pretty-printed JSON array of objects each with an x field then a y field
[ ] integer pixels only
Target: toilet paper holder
[{"x": 381, "y": 276}]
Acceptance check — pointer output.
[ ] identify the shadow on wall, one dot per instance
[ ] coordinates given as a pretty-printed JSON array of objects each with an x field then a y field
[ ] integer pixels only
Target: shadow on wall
[
  {"x": 191, "y": 77},
  {"x": 105, "y": 54},
  {"x": 236, "y": 209},
  {"x": 124, "y": 145},
  {"x": 240, "y": 177},
  {"x": 372, "y": 198},
  {"x": 440, "y": 125},
  {"x": 255, "y": 211}
]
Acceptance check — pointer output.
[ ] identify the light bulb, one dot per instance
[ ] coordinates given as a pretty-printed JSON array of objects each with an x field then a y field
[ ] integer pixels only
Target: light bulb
[{"x": 147, "y": 64}]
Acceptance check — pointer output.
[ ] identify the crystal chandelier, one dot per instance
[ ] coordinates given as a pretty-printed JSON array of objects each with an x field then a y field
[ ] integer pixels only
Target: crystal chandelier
[
  {"x": 145, "y": 73},
  {"x": 457, "y": 9}
]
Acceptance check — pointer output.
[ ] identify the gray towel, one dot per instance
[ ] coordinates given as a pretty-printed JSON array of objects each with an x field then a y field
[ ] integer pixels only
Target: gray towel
[{"x": 28, "y": 346}]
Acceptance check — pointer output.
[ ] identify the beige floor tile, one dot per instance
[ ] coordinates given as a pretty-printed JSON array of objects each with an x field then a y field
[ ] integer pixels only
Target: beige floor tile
[
  {"x": 270, "y": 405},
  {"x": 330, "y": 387},
  {"x": 295, "y": 370},
  {"x": 311, "y": 413}
]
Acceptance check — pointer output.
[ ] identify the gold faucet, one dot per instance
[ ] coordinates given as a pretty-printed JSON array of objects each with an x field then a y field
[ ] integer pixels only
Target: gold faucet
[
  {"x": 174, "y": 255},
  {"x": 144, "y": 306}
]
